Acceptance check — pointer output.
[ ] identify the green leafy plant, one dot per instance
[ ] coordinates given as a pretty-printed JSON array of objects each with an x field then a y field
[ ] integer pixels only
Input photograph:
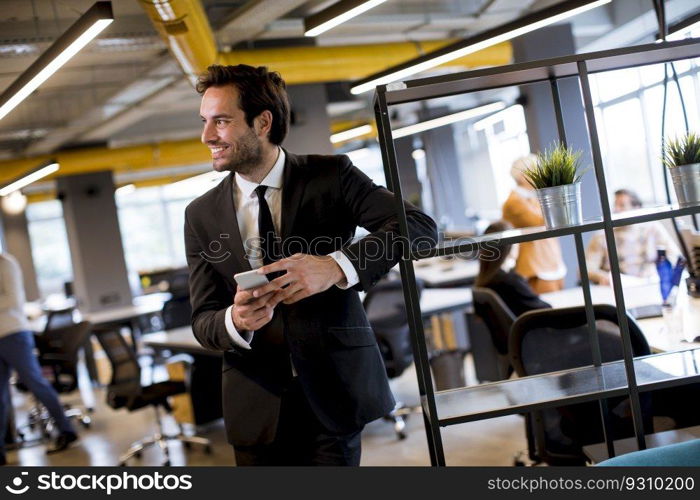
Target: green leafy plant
[
  {"x": 683, "y": 151},
  {"x": 557, "y": 166}
]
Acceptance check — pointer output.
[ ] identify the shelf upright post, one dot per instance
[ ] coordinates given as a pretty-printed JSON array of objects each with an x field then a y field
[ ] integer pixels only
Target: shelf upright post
[
  {"x": 410, "y": 289},
  {"x": 585, "y": 282},
  {"x": 612, "y": 255}
]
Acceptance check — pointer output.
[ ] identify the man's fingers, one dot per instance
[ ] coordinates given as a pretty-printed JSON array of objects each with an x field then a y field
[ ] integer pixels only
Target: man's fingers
[
  {"x": 280, "y": 265},
  {"x": 296, "y": 297},
  {"x": 242, "y": 297},
  {"x": 272, "y": 286},
  {"x": 283, "y": 295}
]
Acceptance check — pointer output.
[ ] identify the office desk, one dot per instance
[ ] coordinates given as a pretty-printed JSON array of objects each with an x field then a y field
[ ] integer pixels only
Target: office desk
[
  {"x": 442, "y": 273},
  {"x": 122, "y": 316},
  {"x": 205, "y": 373},
  {"x": 205, "y": 381},
  {"x": 141, "y": 306},
  {"x": 655, "y": 329}
]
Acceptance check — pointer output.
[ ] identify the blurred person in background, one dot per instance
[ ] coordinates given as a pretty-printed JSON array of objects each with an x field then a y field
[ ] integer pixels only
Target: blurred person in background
[
  {"x": 636, "y": 244},
  {"x": 539, "y": 262},
  {"x": 17, "y": 353},
  {"x": 509, "y": 285}
]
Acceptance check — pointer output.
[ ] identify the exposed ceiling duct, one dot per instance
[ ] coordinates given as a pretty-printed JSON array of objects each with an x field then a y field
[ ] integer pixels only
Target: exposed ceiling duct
[{"x": 186, "y": 30}]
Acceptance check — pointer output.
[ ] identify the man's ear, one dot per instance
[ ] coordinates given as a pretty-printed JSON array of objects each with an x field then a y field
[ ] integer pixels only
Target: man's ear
[{"x": 263, "y": 123}]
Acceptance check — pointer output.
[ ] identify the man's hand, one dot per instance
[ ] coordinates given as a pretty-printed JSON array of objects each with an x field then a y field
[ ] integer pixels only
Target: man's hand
[
  {"x": 306, "y": 275},
  {"x": 605, "y": 279},
  {"x": 252, "y": 313}
]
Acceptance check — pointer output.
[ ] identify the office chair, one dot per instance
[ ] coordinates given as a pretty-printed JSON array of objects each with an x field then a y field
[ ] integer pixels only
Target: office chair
[
  {"x": 125, "y": 390},
  {"x": 59, "y": 318},
  {"x": 386, "y": 311},
  {"x": 58, "y": 351},
  {"x": 549, "y": 340},
  {"x": 177, "y": 312},
  {"x": 489, "y": 328}
]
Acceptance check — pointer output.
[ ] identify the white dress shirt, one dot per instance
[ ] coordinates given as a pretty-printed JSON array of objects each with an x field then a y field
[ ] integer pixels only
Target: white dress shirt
[{"x": 247, "y": 208}]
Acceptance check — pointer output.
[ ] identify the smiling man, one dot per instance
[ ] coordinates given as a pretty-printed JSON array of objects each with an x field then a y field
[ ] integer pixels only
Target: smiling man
[{"x": 302, "y": 371}]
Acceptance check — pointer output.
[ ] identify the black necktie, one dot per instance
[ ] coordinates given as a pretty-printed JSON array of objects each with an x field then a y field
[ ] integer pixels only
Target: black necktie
[{"x": 266, "y": 230}]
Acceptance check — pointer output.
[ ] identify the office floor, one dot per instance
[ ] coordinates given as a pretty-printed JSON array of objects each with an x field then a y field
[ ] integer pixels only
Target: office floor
[{"x": 490, "y": 442}]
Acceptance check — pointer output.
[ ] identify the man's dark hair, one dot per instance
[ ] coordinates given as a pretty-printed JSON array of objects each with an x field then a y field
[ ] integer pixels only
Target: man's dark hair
[
  {"x": 258, "y": 90},
  {"x": 634, "y": 197}
]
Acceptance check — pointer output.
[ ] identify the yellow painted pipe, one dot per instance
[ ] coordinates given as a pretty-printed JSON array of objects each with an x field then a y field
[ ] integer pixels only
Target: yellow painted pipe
[
  {"x": 119, "y": 160},
  {"x": 299, "y": 65},
  {"x": 184, "y": 26}
]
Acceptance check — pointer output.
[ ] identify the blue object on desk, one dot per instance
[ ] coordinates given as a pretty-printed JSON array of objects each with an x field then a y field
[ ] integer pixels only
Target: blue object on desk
[
  {"x": 678, "y": 271},
  {"x": 665, "y": 270}
]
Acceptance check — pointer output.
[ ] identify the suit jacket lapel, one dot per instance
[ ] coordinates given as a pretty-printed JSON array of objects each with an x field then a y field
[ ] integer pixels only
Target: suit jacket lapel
[
  {"x": 230, "y": 236},
  {"x": 293, "y": 187}
]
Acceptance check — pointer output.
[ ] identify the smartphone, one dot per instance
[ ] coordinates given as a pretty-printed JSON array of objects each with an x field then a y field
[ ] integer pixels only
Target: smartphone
[{"x": 250, "y": 279}]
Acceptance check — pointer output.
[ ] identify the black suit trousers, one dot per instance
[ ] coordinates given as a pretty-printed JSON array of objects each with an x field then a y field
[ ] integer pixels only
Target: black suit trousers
[{"x": 301, "y": 439}]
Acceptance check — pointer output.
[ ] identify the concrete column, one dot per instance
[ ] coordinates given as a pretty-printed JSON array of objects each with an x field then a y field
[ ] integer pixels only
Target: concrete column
[
  {"x": 444, "y": 171},
  {"x": 549, "y": 42},
  {"x": 99, "y": 268},
  {"x": 410, "y": 185},
  {"x": 15, "y": 234},
  {"x": 310, "y": 129}
]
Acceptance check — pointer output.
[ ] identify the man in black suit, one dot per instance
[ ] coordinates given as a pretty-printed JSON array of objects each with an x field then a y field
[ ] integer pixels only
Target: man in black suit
[{"x": 302, "y": 371}]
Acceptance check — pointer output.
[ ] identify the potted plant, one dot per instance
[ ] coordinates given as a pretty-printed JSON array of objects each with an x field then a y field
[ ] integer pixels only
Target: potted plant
[
  {"x": 682, "y": 157},
  {"x": 556, "y": 176}
]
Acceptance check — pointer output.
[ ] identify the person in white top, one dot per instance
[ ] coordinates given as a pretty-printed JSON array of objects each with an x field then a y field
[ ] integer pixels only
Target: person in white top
[
  {"x": 17, "y": 353},
  {"x": 636, "y": 244}
]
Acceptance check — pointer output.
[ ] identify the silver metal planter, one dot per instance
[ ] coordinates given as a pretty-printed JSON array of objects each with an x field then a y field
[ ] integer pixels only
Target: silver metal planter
[
  {"x": 561, "y": 205},
  {"x": 686, "y": 182}
]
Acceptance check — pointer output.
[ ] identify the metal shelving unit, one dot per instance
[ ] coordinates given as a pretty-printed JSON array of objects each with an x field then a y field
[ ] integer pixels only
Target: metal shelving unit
[{"x": 630, "y": 376}]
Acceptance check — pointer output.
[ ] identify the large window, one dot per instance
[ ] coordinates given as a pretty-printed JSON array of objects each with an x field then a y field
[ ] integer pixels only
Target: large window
[
  {"x": 629, "y": 106},
  {"x": 50, "y": 251}
]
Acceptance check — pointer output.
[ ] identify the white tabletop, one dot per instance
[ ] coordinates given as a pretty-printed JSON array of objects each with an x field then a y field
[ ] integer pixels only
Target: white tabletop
[
  {"x": 439, "y": 271},
  {"x": 142, "y": 305},
  {"x": 656, "y": 330}
]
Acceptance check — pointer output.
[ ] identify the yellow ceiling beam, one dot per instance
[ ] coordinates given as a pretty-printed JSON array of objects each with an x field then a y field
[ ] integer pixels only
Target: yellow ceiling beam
[
  {"x": 119, "y": 160},
  {"x": 184, "y": 27},
  {"x": 299, "y": 65}
]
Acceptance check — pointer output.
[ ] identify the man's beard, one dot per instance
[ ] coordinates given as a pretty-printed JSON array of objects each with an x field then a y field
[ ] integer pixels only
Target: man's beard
[{"x": 246, "y": 155}]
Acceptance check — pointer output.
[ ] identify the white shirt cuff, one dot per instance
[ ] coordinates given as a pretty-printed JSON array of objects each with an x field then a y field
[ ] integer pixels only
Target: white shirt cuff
[
  {"x": 233, "y": 333},
  {"x": 351, "y": 277}
]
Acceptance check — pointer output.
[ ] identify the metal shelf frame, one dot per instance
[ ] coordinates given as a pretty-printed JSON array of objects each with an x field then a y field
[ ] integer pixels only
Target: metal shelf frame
[{"x": 579, "y": 66}]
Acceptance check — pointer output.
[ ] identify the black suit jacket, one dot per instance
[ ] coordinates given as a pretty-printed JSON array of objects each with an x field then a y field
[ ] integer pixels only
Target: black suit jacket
[{"x": 328, "y": 337}]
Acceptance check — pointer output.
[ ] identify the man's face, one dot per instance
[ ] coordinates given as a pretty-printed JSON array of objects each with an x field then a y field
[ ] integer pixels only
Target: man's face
[
  {"x": 233, "y": 144},
  {"x": 623, "y": 203}
]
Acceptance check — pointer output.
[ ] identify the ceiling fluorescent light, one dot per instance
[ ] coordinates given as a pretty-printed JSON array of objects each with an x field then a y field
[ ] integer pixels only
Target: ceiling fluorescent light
[
  {"x": 337, "y": 14},
  {"x": 90, "y": 24},
  {"x": 526, "y": 24},
  {"x": 28, "y": 179},
  {"x": 447, "y": 120},
  {"x": 125, "y": 189},
  {"x": 492, "y": 119},
  {"x": 352, "y": 133}
]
